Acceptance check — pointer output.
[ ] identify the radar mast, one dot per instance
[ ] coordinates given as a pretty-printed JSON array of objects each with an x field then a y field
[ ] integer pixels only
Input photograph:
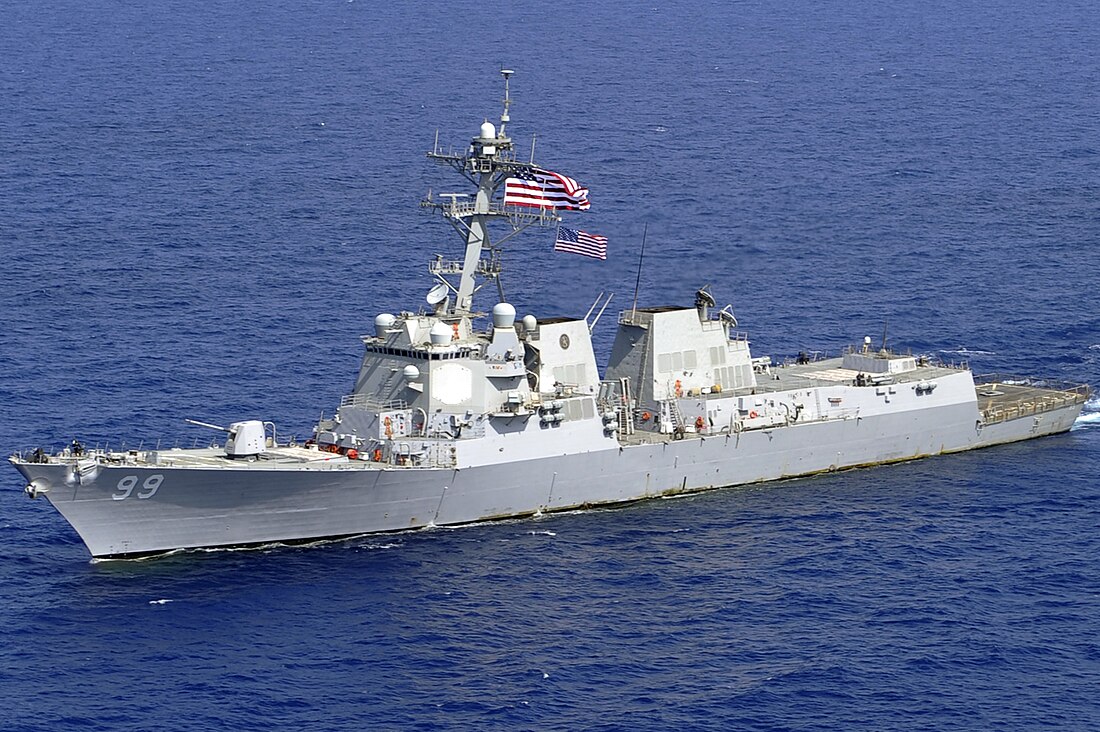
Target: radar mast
[{"x": 488, "y": 162}]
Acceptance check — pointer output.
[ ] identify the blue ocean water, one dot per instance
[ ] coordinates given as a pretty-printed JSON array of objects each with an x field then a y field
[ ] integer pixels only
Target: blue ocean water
[{"x": 202, "y": 207}]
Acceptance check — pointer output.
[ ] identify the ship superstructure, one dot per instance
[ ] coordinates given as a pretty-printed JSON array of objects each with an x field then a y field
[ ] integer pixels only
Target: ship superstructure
[{"x": 458, "y": 416}]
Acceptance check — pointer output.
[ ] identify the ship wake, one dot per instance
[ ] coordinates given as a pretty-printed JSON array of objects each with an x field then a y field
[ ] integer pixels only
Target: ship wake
[{"x": 1090, "y": 414}]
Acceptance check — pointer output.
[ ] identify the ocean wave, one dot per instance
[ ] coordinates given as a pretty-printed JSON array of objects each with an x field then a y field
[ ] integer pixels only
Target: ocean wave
[
  {"x": 1090, "y": 413},
  {"x": 964, "y": 351}
]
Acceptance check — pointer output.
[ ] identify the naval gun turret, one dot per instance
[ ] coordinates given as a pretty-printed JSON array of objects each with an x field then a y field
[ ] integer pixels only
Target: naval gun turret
[{"x": 246, "y": 439}]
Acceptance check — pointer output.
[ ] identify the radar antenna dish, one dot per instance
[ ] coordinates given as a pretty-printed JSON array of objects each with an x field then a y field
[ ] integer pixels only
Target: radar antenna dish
[
  {"x": 703, "y": 298},
  {"x": 704, "y": 301},
  {"x": 437, "y": 294},
  {"x": 726, "y": 316}
]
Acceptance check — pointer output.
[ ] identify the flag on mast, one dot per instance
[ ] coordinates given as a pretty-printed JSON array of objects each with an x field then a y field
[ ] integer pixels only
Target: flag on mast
[
  {"x": 581, "y": 242},
  {"x": 538, "y": 188}
]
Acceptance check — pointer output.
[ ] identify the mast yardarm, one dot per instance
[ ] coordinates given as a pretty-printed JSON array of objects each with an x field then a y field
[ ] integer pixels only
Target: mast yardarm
[{"x": 488, "y": 162}]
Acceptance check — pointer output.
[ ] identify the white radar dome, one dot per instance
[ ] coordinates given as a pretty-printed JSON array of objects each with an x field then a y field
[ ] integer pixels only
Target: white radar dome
[
  {"x": 382, "y": 323},
  {"x": 488, "y": 132},
  {"x": 411, "y": 373},
  {"x": 529, "y": 322},
  {"x": 504, "y": 315},
  {"x": 440, "y": 334}
]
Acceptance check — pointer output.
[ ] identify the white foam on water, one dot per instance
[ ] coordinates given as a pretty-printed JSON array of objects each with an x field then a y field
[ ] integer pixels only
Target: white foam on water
[
  {"x": 159, "y": 602},
  {"x": 964, "y": 351},
  {"x": 142, "y": 558},
  {"x": 385, "y": 546},
  {"x": 1090, "y": 413}
]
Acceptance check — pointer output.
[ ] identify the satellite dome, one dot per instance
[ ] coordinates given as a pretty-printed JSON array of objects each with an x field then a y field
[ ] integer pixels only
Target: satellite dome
[
  {"x": 440, "y": 334},
  {"x": 503, "y": 315},
  {"x": 411, "y": 373},
  {"x": 488, "y": 132},
  {"x": 529, "y": 322},
  {"x": 382, "y": 323}
]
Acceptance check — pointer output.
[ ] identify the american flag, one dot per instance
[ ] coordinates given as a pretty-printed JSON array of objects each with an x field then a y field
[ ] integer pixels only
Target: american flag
[
  {"x": 581, "y": 242},
  {"x": 540, "y": 188}
]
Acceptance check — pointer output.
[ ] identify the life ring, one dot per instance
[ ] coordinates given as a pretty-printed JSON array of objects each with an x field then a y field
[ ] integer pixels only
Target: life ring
[
  {"x": 645, "y": 416},
  {"x": 753, "y": 415},
  {"x": 353, "y": 454},
  {"x": 699, "y": 423},
  {"x": 377, "y": 456}
]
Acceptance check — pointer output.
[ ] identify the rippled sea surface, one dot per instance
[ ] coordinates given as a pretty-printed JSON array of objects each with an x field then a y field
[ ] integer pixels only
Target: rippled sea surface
[{"x": 202, "y": 206}]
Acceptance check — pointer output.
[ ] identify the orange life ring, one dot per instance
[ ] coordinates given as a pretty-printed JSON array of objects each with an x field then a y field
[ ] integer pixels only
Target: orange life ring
[
  {"x": 753, "y": 415},
  {"x": 353, "y": 454},
  {"x": 378, "y": 456}
]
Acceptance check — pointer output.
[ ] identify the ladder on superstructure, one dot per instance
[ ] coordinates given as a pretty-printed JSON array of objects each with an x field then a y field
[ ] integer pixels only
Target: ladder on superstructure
[
  {"x": 675, "y": 415},
  {"x": 625, "y": 412}
]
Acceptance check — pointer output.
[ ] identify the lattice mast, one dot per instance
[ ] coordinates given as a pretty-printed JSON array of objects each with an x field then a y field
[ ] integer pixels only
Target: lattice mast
[{"x": 488, "y": 162}]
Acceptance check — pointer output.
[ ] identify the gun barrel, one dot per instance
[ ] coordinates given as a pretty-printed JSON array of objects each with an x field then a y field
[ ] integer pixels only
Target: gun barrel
[{"x": 206, "y": 424}]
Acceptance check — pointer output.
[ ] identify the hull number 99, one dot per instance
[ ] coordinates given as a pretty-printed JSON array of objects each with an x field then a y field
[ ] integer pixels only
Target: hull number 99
[{"x": 127, "y": 485}]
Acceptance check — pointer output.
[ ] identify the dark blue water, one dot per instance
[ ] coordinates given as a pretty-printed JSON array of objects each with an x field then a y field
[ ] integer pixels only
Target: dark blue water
[{"x": 203, "y": 206}]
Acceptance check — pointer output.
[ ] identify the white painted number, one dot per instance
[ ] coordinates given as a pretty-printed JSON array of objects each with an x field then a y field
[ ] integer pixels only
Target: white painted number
[
  {"x": 127, "y": 485},
  {"x": 150, "y": 487}
]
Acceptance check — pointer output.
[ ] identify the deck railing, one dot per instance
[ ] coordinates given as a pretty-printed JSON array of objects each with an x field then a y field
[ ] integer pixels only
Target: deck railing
[
  {"x": 368, "y": 401},
  {"x": 1034, "y": 383},
  {"x": 1042, "y": 395}
]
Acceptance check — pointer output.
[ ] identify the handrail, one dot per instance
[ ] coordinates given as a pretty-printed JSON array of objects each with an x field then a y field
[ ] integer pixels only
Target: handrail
[
  {"x": 366, "y": 400},
  {"x": 1061, "y": 385},
  {"x": 1004, "y": 412},
  {"x": 999, "y": 410}
]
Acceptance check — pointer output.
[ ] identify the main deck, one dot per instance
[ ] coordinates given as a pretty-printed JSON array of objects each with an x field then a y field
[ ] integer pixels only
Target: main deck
[
  {"x": 1000, "y": 397},
  {"x": 830, "y": 372}
]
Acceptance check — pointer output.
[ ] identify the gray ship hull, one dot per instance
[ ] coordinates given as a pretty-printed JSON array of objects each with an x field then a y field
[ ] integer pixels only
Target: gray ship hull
[{"x": 207, "y": 507}]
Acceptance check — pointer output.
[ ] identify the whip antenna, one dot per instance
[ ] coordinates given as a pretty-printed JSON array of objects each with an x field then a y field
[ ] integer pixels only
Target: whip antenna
[{"x": 638, "y": 282}]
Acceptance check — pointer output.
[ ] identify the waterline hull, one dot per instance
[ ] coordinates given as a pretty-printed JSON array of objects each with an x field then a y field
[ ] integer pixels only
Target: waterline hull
[{"x": 197, "y": 507}]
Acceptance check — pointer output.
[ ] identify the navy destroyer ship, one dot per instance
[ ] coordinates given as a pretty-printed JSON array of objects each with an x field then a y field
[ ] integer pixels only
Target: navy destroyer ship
[{"x": 459, "y": 416}]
